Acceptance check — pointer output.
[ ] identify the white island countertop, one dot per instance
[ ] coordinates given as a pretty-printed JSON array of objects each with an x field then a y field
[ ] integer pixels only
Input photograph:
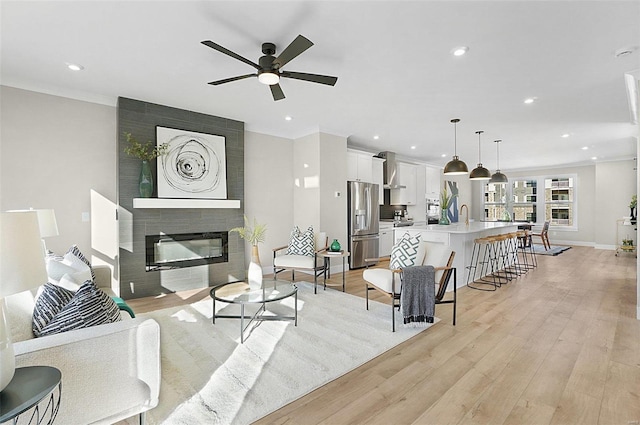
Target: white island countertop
[{"x": 461, "y": 228}]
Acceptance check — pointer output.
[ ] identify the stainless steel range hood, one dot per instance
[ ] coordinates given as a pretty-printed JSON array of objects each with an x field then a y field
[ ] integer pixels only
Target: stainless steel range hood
[{"x": 390, "y": 170}]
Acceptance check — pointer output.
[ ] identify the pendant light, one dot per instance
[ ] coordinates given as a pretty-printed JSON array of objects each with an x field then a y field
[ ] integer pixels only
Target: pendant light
[
  {"x": 498, "y": 177},
  {"x": 455, "y": 166},
  {"x": 479, "y": 173}
]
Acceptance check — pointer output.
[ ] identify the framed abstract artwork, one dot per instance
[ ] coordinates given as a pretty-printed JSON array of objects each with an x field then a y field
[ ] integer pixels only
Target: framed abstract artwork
[{"x": 194, "y": 166}]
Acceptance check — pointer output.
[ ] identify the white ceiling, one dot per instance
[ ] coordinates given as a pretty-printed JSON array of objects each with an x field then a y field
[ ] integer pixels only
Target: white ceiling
[{"x": 396, "y": 75}]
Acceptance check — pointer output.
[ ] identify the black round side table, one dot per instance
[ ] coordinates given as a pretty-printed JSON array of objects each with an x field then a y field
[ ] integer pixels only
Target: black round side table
[{"x": 30, "y": 386}]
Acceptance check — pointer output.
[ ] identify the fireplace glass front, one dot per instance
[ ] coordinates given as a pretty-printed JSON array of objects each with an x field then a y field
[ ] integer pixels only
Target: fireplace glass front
[{"x": 166, "y": 252}]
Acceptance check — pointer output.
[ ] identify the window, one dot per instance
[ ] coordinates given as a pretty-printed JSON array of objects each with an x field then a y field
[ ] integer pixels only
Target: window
[
  {"x": 521, "y": 200},
  {"x": 559, "y": 200},
  {"x": 495, "y": 202},
  {"x": 524, "y": 200}
]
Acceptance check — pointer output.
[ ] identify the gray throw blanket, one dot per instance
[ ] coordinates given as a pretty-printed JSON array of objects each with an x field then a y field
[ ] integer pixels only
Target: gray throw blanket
[{"x": 418, "y": 294}]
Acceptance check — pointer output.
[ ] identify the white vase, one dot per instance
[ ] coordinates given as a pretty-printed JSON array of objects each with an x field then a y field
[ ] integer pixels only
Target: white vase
[
  {"x": 254, "y": 275},
  {"x": 7, "y": 357}
]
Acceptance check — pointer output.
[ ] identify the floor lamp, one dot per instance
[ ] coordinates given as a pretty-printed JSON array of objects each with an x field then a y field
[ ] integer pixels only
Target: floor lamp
[{"x": 22, "y": 268}]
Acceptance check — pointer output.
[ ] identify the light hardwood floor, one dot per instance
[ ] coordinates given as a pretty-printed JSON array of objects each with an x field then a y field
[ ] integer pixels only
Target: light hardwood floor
[{"x": 560, "y": 345}]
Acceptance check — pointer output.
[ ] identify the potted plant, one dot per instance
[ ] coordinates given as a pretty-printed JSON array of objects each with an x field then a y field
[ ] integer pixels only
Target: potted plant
[
  {"x": 254, "y": 235},
  {"x": 632, "y": 205},
  {"x": 146, "y": 153},
  {"x": 445, "y": 202}
]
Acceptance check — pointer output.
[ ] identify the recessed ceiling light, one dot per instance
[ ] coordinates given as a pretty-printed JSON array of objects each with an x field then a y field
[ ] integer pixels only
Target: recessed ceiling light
[
  {"x": 594, "y": 158},
  {"x": 584, "y": 148},
  {"x": 565, "y": 135},
  {"x": 625, "y": 51},
  {"x": 376, "y": 137},
  {"x": 75, "y": 67},
  {"x": 288, "y": 118},
  {"x": 459, "y": 51},
  {"x": 529, "y": 100},
  {"x": 444, "y": 155},
  {"x": 413, "y": 147}
]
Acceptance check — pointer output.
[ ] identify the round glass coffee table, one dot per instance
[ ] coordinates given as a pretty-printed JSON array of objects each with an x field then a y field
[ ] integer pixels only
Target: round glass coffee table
[{"x": 240, "y": 293}]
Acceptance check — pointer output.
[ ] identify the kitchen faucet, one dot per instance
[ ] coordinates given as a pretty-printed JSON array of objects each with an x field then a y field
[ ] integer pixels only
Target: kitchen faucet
[{"x": 466, "y": 221}]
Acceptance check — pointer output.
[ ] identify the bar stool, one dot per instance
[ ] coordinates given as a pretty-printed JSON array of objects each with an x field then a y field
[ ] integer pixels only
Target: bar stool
[
  {"x": 525, "y": 246},
  {"x": 485, "y": 248},
  {"x": 514, "y": 262},
  {"x": 502, "y": 253}
]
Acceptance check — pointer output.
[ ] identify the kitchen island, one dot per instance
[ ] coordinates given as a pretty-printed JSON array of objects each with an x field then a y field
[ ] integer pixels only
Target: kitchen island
[{"x": 460, "y": 237}]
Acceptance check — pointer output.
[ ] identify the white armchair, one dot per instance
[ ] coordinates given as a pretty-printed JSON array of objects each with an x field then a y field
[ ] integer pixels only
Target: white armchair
[
  {"x": 109, "y": 372},
  {"x": 314, "y": 264},
  {"x": 388, "y": 282}
]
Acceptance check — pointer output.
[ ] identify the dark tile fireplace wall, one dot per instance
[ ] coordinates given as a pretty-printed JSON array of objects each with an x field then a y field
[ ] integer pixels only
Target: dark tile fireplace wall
[{"x": 140, "y": 119}]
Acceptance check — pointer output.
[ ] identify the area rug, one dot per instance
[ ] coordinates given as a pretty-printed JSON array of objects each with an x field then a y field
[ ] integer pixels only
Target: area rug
[
  {"x": 209, "y": 377},
  {"x": 554, "y": 250}
]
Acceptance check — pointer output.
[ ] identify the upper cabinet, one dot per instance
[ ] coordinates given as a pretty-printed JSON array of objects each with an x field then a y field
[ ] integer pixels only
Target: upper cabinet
[
  {"x": 406, "y": 177},
  {"x": 433, "y": 186},
  {"x": 360, "y": 166}
]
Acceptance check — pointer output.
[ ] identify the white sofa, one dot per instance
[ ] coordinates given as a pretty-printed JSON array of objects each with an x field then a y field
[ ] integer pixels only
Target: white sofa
[{"x": 109, "y": 372}]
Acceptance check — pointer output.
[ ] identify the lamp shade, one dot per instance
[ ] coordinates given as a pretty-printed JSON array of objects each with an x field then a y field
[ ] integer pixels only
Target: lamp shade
[
  {"x": 480, "y": 173},
  {"x": 455, "y": 166},
  {"x": 47, "y": 223},
  {"x": 499, "y": 178},
  {"x": 22, "y": 265}
]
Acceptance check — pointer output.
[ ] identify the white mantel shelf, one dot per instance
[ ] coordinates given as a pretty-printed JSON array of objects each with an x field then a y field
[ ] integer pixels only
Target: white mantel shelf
[{"x": 185, "y": 203}]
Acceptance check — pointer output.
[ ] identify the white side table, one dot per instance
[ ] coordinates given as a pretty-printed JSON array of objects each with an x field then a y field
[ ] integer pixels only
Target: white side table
[{"x": 327, "y": 255}]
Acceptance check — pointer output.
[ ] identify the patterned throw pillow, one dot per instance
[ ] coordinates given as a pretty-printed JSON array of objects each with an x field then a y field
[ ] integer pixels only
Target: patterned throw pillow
[
  {"x": 73, "y": 264},
  {"x": 50, "y": 302},
  {"x": 59, "y": 310},
  {"x": 301, "y": 243},
  {"x": 405, "y": 252}
]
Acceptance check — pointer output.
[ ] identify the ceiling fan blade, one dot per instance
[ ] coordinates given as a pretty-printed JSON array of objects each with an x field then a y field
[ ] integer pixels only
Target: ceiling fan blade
[
  {"x": 314, "y": 78},
  {"x": 277, "y": 92},
  {"x": 230, "y": 53},
  {"x": 228, "y": 80},
  {"x": 297, "y": 46}
]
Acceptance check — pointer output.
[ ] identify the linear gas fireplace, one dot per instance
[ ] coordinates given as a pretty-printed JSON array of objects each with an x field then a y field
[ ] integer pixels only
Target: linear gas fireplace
[{"x": 166, "y": 252}]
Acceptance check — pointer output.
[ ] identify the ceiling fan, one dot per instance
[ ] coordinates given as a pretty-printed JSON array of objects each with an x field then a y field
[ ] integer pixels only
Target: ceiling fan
[{"x": 270, "y": 67}]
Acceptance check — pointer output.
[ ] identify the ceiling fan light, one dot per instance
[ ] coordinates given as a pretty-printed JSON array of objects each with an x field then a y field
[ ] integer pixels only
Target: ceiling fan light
[
  {"x": 480, "y": 173},
  {"x": 498, "y": 178},
  {"x": 268, "y": 78},
  {"x": 455, "y": 167}
]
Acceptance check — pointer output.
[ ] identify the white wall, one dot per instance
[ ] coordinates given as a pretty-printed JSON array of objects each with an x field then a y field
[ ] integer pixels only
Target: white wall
[
  {"x": 268, "y": 185},
  {"x": 333, "y": 178},
  {"x": 615, "y": 185},
  {"x": 306, "y": 178},
  {"x": 54, "y": 151}
]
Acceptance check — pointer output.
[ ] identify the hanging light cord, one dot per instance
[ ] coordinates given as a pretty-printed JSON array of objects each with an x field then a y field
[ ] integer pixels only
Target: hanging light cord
[
  {"x": 455, "y": 136},
  {"x": 498, "y": 153},
  {"x": 479, "y": 132}
]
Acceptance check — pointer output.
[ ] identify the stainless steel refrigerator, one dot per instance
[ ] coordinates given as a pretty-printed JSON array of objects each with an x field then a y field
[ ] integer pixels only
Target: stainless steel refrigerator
[{"x": 363, "y": 212}]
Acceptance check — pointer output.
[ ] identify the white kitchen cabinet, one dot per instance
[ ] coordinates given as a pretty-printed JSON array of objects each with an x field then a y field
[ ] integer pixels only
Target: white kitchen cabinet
[
  {"x": 378, "y": 177},
  {"x": 359, "y": 166},
  {"x": 386, "y": 241},
  {"x": 406, "y": 177},
  {"x": 433, "y": 183}
]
